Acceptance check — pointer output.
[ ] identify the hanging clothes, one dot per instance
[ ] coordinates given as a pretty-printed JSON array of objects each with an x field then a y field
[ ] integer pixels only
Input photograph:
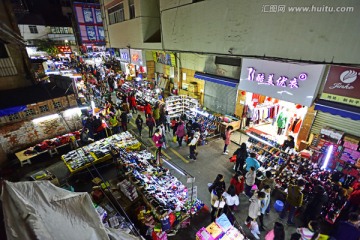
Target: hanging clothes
[{"x": 297, "y": 126}]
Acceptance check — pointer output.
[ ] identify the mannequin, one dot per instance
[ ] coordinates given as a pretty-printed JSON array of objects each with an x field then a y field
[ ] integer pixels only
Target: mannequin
[{"x": 281, "y": 121}]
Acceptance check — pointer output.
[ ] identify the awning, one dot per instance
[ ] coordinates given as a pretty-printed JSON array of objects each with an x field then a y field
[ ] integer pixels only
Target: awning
[
  {"x": 230, "y": 82},
  {"x": 342, "y": 110}
]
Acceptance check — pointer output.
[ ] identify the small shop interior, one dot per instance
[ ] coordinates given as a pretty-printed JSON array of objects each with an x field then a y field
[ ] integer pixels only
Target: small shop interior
[{"x": 273, "y": 117}]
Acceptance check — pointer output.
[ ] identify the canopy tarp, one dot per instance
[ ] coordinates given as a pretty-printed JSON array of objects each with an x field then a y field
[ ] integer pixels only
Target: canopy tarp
[{"x": 40, "y": 210}]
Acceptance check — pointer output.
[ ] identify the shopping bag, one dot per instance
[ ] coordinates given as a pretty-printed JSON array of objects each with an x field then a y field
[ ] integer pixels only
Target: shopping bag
[
  {"x": 219, "y": 204},
  {"x": 233, "y": 158},
  {"x": 174, "y": 139}
]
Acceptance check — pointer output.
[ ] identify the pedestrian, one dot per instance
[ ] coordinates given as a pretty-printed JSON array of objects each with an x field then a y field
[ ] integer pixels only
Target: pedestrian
[
  {"x": 269, "y": 180},
  {"x": 192, "y": 146},
  {"x": 231, "y": 202},
  {"x": 227, "y": 139},
  {"x": 84, "y": 137},
  {"x": 264, "y": 205},
  {"x": 147, "y": 109},
  {"x": 312, "y": 231},
  {"x": 348, "y": 230},
  {"x": 216, "y": 189},
  {"x": 162, "y": 132},
  {"x": 289, "y": 143},
  {"x": 114, "y": 124},
  {"x": 277, "y": 233},
  {"x": 132, "y": 102},
  {"x": 124, "y": 121},
  {"x": 354, "y": 200},
  {"x": 294, "y": 200},
  {"x": 254, "y": 210},
  {"x": 238, "y": 182},
  {"x": 174, "y": 124},
  {"x": 157, "y": 139},
  {"x": 139, "y": 122},
  {"x": 241, "y": 155},
  {"x": 167, "y": 121},
  {"x": 156, "y": 115},
  {"x": 180, "y": 133},
  {"x": 150, "y": 122},
  {"x": 249, "y": 181},
  {"x": 252, "y": 162},
  {"x": 314, "y": 207}
]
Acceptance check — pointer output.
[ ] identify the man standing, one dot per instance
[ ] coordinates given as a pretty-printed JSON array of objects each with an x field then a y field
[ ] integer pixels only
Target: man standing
[{"x": 294, "y": 200}]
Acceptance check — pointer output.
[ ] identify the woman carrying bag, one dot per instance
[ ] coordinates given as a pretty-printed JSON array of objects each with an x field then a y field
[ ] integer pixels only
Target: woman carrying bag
[
  {"x": 216, "y": 189},
  {"x": 231, "y": 200}
]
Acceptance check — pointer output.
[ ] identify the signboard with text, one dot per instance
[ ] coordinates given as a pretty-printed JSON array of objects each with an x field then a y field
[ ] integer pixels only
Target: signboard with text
[
  {"x": 292, "y": 82},
  {"x": 164, "y": 58},
  {"x": 124, "y": 55},
  {"x": 342, "y": 85},
  {"x": 136, "y": 57}
]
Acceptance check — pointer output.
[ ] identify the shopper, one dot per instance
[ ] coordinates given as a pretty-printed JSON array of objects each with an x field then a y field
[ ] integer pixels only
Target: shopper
[
  {"x": 192, "y": 146},
  {"x": 354, "y": 200},
  {"x": 252, "y": 162},
  {"x": 139, "y": 123},
  {"x": 157, "y": 139},
  {"x": 216, "y": 189},
  {"x": 238, "y": 182},
  {"x": 264, "y": 205},
  {"x": 162, "y": 132},
  {"x": 227, "y": 139},
  {"x": 294, "y": 200},
  {"x": 241, "y": 155},
  {"x": 150, "y": 122},
  {"x": 249, "y": 181},
  {"x": 314, "y": 207},
  {"x": 269, "y": 180},
  {"x": 255, "y": 206},
  {"x": 348, "y": 230},
  {"x": 289, "y": 143},
  {"x": 312, "y": 232},
  {"x": 156, "y": 115},
  {"x": 147, "y": 109},
  {"x": 84, "y": 137},
  {"x": 180, "y": 133},
  {"x": 278, "y": 233},
  {"x": 114, "y": 124},
  {"x": 132, "y": 102},
  {"x": 174, "y": 125},
  {"x": 231, "y": 200},
  {"x": 124, "y": 120}
]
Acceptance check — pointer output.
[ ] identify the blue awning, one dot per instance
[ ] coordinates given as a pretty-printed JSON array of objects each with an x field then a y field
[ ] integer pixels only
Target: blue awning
[
  {"x": 342, "y": 110},
  {"x": 230, "y": 82},
  {"x": 11, "y": 110}
]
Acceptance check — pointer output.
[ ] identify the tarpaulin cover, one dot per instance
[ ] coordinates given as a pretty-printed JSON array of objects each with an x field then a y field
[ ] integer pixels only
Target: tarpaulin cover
[
  {"x": 11, "y": 110},
  {"x": 40, "y": 210}
]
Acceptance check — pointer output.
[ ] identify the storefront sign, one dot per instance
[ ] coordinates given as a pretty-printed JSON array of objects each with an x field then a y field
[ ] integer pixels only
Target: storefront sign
[
  {"x": 296, "y": 83},
  {"x": 343, "y": 85},
  {"x": 165, "y": 58},
  {"x": 136, "y": 57},
  {"x": 124, "y": 55}
]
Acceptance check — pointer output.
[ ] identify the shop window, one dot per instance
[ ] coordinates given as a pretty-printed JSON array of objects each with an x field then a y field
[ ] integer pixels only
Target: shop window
[
  {"x": 116, "y": 14},
  {"x": 14, "y": 117},
  {"x": 132, "y": 9},
  {"x": 29, "y": 112},
  {"x": 33, "y": 29},
  {"x": 44, "y": 108},
  {"x": 57, "y": 105}
]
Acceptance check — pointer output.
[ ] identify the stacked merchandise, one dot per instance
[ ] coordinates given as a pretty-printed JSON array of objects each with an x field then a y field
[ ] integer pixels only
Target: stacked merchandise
[
  {"x": 128, "y": 189},
  {"x": 178, "y": 105},
  {"x": 221, "y": 229},
  {"x": 160, "y": 190},
  {"x": 52, "y": 143},
  {"x": 98, "y": 151}
]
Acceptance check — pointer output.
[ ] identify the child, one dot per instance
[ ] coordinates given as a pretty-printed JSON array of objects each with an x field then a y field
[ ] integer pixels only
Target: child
[{"x": 254, "y": 211}]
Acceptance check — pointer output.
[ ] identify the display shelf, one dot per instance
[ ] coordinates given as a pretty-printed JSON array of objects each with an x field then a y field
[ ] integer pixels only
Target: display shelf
[{"x": 182, "y": 102}]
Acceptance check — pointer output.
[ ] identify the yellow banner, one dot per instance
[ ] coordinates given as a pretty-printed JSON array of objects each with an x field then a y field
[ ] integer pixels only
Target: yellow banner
[
  {"x": 164, "y": 58},
  {"x": 341, "y": 99}
]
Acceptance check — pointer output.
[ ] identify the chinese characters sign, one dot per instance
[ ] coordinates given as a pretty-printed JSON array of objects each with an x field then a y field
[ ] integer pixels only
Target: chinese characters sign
[
  {"x": 136, "y": 57},
  {"x": 90, "y": 30},
  {"x": 292, "y": 82},
  {"x": 343, "y": 85},
  {"x": 98, "y": 15},
  {"x": 88, "y": 17},
  {"x": 165, "y": 58}
]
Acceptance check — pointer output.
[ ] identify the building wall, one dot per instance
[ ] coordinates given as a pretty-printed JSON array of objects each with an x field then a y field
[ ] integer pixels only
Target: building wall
[
  {"x": 44, "y": 32},
  {"x": 16, "y": 52},
  {"x": 247, "y": 28}
]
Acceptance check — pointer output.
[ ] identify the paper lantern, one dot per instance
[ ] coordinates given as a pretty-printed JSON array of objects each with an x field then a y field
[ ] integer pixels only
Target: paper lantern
[
  {"x": 298, "y": 106},
  {"x": 243, "y": 93}
]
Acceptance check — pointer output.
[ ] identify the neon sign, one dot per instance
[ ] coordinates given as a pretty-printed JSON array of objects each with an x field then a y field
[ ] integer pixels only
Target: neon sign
[{"x": 282, "y": 81}]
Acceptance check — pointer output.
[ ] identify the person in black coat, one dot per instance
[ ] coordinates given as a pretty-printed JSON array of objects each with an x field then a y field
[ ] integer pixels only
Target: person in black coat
[
  {"x": 241, "y": 155},
  {"x": 315, "y": 205},
  {"x": 216, "y": 189},
  {"x": 288, "y": 143}
]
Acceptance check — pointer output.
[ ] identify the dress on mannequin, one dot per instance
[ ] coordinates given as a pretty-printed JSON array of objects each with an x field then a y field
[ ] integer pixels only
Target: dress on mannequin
[{"x": 281, "y": 123}]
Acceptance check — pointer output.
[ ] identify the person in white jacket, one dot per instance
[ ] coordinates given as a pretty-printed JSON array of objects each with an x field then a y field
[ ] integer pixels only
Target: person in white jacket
[
  {"x": 264, "y": 205},
  {"x": 255, "y": 211},
  {"x": 193, "y": 144}
]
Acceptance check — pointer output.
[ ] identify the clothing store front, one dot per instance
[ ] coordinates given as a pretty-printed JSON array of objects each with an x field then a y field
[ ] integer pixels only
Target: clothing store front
[
  {"x": 138, "y": 62},
  {"x": 278, "y": 95}
]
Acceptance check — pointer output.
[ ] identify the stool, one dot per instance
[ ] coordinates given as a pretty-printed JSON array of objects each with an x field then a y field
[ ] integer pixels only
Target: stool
[
  {"x": 53, "y": 151},
  {"x": 278, "y": 206}
]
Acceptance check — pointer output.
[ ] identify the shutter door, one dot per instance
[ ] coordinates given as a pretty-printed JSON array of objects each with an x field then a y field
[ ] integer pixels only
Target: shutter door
[
  {"x": 334, "y": 121},
  {"x": 220, "y": 98}
]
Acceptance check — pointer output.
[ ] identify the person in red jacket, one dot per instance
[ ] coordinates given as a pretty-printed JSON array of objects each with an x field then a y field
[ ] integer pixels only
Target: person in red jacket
[
  {"x": 132, "y": 101},
  {"x": 147, "y": 109},
  {"x": 354, "y": 199},
  {"x": 238, "y": 181}
]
